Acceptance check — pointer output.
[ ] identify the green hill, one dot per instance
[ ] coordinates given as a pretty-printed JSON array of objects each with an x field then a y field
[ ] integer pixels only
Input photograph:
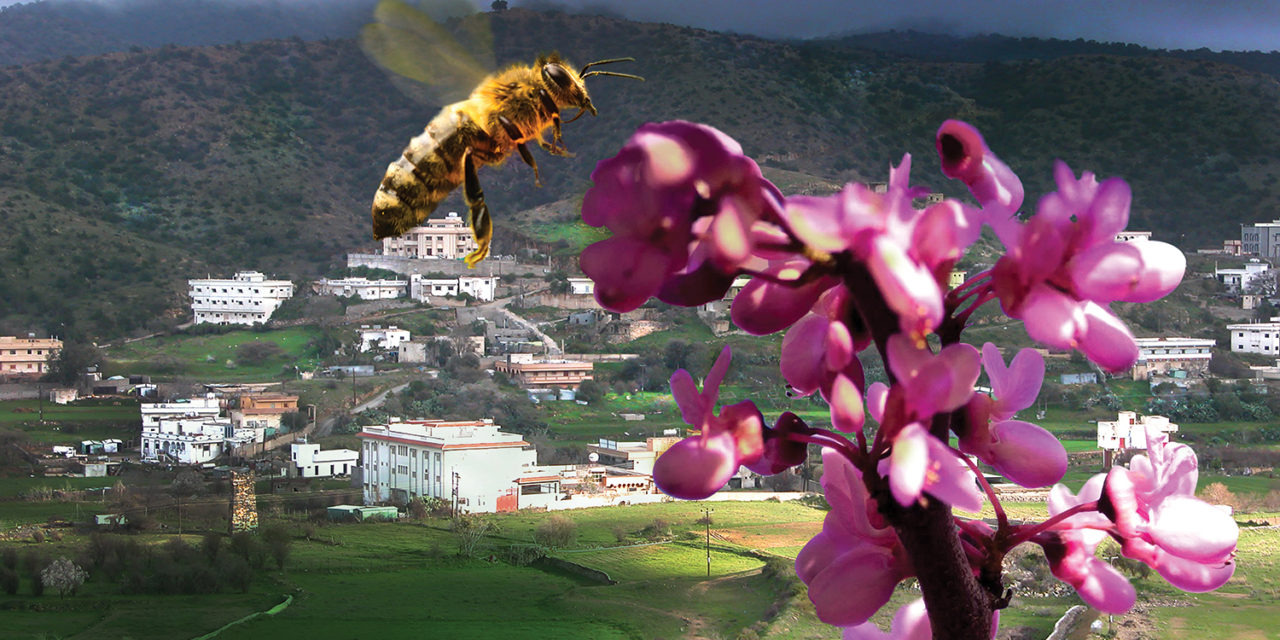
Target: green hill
[{"x": 124, "y": 174}]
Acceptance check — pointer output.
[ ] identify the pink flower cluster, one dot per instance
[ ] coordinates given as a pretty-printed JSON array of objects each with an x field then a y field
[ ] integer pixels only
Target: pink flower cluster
[
  {"x": 1151, "y": 510},
  {"x": 689, "y": 213},
  {"x": 1063, "y": 266}
]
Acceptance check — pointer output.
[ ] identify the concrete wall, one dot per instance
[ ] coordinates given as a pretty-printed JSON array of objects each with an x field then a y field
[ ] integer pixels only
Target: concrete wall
[
  {"x": 582, "y": 501},
  {"x": 410, "y": 266},
  {"x": 21, "y": 390},
  {"x": 565, "y": 301}
]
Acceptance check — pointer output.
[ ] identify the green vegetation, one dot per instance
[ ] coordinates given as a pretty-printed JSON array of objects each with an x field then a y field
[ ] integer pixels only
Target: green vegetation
[
  {"x": 228, "y": 357},
  {"x": 347, "y": 579}
]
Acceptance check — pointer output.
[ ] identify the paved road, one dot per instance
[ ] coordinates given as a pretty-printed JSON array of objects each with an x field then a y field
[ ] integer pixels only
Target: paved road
[
  {"x": 499, "y": 308},
  {"x": 326, "y": 425}
]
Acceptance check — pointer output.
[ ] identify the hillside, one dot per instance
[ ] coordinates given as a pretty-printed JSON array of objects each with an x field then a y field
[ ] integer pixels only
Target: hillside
[{"x": 126, "y": 173}]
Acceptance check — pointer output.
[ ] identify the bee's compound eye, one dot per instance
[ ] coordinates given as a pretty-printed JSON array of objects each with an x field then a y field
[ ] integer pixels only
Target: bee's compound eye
[{"x": 557, "y": 74}]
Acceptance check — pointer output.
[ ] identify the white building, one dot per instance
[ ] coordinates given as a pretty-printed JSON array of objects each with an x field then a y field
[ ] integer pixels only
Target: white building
[
  {"x": 582, "y": 286},
  {"x": 154, "y": 412},
  {"x": 362, "y": 288},
  {"x": 185, "y": 440},
  {"x": 248, "y": 298},
  {"x": 1161, "y": 355},
  {"x": 1240, "y": 279},
  {"x": 1133, "y": 236},
  {"x": 440, "y": 238},
  {"x": 1130, "y": 432},
  {"x": 389, "y": 338},
  {"x": 308, "y": 461},
  {"x": 475, "y": 462},
  {"x": 636, "y": 456},
  {"x": 479, "y": 287},
  {"x": 1257, "y": 337}
]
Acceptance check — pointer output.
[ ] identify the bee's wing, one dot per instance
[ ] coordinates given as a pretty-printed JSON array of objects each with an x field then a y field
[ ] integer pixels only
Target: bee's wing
[{"x": 410, "y": 43}]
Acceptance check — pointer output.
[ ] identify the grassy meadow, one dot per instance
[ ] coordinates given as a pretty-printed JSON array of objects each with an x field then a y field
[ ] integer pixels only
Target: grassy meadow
[
  {"x": 213, "y": 356},
  {"x": 406, "y": 579}
]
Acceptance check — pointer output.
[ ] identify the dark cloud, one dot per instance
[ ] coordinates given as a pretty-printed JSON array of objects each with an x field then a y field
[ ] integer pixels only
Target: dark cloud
[
  {"x": 1182, "y": 24},
  {"x": 1185, "y": 24}
]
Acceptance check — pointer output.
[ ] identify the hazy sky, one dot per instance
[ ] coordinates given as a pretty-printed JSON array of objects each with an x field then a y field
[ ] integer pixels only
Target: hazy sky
[{"x": 1186, "y": 24}]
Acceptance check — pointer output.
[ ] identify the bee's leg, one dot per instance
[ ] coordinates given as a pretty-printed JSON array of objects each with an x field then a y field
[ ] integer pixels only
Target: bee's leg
[
  {"x": 513, "y": 132},
  {"x": 556, "y": 146},
  {"x": 478, "y": 213}
]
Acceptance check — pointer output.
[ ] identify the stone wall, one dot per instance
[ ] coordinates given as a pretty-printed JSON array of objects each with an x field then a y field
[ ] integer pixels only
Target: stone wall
[{"x": 244, "y": 503}]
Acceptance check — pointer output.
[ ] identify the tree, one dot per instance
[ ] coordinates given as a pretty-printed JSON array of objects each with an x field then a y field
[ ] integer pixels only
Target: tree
[
  {"x": 63, "y": 576},
  {"x": 187, "y": 483},
  {"x": 71, "y": 362},
  {"x": 498, "y": 5},
  {"x": 590, "y": 391}
]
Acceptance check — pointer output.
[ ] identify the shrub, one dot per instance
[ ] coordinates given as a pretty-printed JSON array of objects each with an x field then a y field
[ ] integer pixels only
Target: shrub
[
  {"x": 9, "y": 580},
  {"x": 523, "y": 554},
  {"x": 211, "y": 544},
  {"x": 620, "y": 533},
  {"x": 556, "y": 532},
  {"x": 656, "y": 530}
]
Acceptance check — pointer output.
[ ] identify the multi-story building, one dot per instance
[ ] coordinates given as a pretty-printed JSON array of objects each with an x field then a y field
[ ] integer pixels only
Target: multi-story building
[
  {"x": 544, "y": 373},
  {"x": 1256, "y": 337},
  {"x": 389, "y": 338},
  {"x": 185, "y": 440},
  {"x": 248, "y": 298},
  {"x": 261, "y": 413},
  {"x": 1162, "y": 355},
  {"x": 1261, "y": 239},
  {"x": 308, "y": 461},
  {"x": 1129, "y": 431},
  {"x": 636, "y": 456},
  {"x": 27, "y": 357},
  {"x": 440, "y": 238},
  {"x": 362, "y": 288},
  {"x": 1244, "y": 278},
  {"x": 472, "y": 464},
  {"x": 153, "y": 412},
  {"x": 479, "y": 287}
]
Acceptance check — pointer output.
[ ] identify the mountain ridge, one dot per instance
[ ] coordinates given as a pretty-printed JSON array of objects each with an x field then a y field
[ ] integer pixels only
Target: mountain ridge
[{"x": 182, "y": 161}]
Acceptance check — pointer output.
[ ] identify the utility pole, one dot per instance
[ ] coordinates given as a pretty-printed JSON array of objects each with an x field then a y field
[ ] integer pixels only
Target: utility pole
[{"x": 706, "y": 517}]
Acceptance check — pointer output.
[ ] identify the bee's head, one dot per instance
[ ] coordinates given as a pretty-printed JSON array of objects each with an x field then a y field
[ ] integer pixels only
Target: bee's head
[
  {"x": 569, "y": 87},
  {"x": 566, "y": 86}
]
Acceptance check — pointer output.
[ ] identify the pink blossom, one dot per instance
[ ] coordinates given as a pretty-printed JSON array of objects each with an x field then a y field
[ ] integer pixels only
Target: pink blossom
[
  {"x": 1161, "y": 522},
  {"x": 920, "y": 463},
  {"x": 852, "y": 566},
  {"x": 1063, "y": 266},
  {"x": 1072, "y": 560},
  {"x": 697, "y": 467},
  {"x": 965, "y": 156},
  {"x": 911, "y": 622},
  {"x": 654, "y": 196},
  {"x": 905, "y": 250},
  {"x": 772, "y": 303},
  {"x": 1024, "y": 453},
  {"x": 821, "y": 347},
  {"x": 933, "y": 383},
  {"x": 781, "y": 451}
]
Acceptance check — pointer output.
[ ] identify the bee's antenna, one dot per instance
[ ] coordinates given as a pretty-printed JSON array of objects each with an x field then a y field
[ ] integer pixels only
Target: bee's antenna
[
  {"x": 609, "y": 61},
  {"x": 611, "y": 73}
]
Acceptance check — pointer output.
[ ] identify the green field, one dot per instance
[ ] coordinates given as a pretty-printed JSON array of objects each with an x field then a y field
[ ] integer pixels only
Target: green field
[
  {"x": 211, "y": 356},
  {"x": 404, "y": 580}
]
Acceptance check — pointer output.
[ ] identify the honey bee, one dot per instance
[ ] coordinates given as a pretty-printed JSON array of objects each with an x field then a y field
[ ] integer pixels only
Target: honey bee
[{"x": 505, "y": 111}]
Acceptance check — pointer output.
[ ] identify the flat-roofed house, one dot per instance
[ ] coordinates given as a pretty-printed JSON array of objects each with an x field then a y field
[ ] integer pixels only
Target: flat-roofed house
[{"x": 471, "y": 462}]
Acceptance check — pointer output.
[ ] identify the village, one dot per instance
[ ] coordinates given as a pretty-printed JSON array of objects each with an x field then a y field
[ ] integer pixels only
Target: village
[{"x": 474, "y": 465}]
